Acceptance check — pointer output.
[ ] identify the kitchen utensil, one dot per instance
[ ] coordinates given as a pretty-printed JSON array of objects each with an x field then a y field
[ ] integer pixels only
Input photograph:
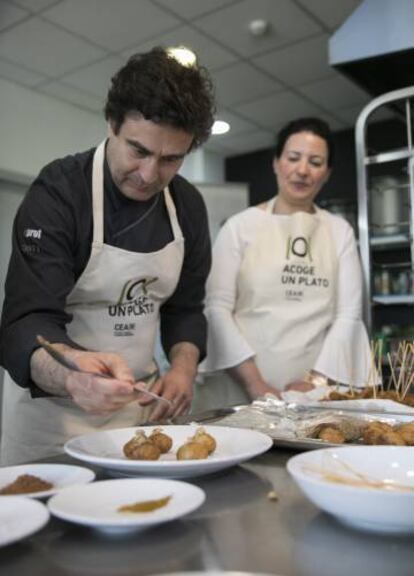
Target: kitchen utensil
[{"x": 206, "y": 416}]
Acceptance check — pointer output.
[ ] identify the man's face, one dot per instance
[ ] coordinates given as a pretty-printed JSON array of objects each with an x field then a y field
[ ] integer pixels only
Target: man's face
[{"x": 143, "y": 157}]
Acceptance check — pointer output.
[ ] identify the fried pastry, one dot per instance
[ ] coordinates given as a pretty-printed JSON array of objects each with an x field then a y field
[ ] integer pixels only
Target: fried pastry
[
  {"x": 140, "y": 448},
  {"x": 381, "y": 433},
  {"x": 160, "y": 439},
  {"x": 192, "y": 451},
  {"x": 204, "y": 438}
]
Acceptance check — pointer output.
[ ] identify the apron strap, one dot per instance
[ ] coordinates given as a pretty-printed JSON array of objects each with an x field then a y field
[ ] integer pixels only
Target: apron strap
[
  {"x": 177, "y": 233},
  {"x": 270, "y": 205},
  {"x": 98, "y": 193}
]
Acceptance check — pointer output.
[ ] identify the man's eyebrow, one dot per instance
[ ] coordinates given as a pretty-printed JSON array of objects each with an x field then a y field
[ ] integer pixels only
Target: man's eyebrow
[
  {"x": 138, "y": 146},
  {"x": 144, "y": 150}
]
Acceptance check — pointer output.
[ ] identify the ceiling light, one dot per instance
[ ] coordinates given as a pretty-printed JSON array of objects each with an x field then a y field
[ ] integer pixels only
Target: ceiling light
[
  {"x": 220, "y": 127},
  {"x": 184, "y": 55},
  {"x": 259, "y": 27}
]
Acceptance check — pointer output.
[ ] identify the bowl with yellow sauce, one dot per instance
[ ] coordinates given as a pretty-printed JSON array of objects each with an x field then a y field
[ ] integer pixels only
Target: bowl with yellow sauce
[{"x": 365, "y": 487}]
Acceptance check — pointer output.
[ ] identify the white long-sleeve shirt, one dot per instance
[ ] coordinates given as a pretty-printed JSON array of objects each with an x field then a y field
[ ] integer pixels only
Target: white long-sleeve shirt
[{"x": 345, "y": 354}]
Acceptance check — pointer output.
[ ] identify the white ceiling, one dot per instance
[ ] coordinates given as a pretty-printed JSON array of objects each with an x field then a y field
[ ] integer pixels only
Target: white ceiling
[{"x": 70, "y": 48}]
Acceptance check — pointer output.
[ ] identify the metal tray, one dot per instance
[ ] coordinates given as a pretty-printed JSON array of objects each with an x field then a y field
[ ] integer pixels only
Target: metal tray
[
  {"x": 307, "y": 443},
  {"x": 219, "y": 417}
]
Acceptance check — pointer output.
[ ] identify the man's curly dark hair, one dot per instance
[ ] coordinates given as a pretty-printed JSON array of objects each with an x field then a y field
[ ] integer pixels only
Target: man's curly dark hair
[{"x": 164, "y": 91}]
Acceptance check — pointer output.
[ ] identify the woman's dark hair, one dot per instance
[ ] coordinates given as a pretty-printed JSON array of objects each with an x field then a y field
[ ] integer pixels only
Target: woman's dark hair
[
  {"x": 164, "y": 91},
  {"x": 313, "y": 125}
]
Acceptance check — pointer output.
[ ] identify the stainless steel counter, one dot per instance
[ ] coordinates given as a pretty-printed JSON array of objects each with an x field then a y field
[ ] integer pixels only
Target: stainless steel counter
[{"x": 238, "y": 528}]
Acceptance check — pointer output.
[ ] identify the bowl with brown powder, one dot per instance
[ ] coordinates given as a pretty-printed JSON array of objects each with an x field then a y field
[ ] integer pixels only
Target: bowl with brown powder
[{"x": 41, "y": 480}]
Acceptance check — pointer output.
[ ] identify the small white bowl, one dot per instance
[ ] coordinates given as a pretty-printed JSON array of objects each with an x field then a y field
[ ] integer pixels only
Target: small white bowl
[{"x": 368, "y": 487}]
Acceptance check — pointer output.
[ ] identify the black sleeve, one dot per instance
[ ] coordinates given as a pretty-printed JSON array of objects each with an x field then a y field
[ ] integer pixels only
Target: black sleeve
[
  {"x": 42, "y": 271},
  {"x": 182, "y": 317}
]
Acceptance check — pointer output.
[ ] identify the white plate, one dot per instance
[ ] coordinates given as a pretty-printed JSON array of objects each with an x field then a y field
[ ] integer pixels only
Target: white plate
[
  {"x": 20, "y": 517},
  {"x": 60, "y": 475},
  {"x": 97, "y": 504},
  {"x": 382, "y": 502},
  {"x": 234, "y": 445}
]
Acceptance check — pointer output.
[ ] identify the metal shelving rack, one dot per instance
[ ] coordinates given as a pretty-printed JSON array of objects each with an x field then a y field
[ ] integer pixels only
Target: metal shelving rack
[{"x": 404, "y": 99}]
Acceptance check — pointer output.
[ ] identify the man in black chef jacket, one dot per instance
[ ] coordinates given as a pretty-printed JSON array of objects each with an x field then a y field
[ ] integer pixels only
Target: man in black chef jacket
[{"x": 109, "y": 244}]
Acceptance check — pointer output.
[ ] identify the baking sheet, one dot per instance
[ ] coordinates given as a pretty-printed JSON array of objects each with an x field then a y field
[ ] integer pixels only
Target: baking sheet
[
  {"x": 307, "y": 443},
  {"x": 285, "y": 422}
]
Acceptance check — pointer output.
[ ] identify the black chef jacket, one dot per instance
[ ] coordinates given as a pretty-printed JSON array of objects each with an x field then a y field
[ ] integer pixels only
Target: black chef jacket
[{"x": 52, "y": 237}]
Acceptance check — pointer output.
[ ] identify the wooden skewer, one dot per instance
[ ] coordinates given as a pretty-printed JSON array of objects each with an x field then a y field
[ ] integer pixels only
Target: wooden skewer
[
  {"x": 381, "y": 380},
  {"x": 372, "y": 364},
  {"x": 409, "y": 371},
  {"x": 373, "y": 361},
  {"x": 392, "y": 371},
  {"x": 402, "y": 369}
]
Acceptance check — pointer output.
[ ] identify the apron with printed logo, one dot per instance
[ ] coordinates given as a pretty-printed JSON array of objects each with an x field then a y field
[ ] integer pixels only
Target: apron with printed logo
[
  {"x": 115, "y": 306},
  {"x": 285, "y": 302}
]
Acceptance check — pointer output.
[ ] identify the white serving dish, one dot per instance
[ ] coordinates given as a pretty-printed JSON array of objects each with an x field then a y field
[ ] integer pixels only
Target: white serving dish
[
  {"x": 368, "y": 487},
  {"x": 234, "y": 445},
  {"x": 20, "y": 517}
]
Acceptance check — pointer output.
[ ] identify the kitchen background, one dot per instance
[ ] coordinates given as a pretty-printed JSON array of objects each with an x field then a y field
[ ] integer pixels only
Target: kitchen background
[{"x": 271, "y": 60}]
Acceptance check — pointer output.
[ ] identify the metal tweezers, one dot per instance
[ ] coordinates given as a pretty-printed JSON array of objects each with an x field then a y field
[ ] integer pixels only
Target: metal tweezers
[{"x": 71, "y": 365}]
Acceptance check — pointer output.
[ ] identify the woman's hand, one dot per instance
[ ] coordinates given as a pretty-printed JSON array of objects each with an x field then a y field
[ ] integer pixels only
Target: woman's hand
[
  {"x": 299, "y": 386},
  {"x": 248, "y": 375},
  {"x": 260, "y": 389}
]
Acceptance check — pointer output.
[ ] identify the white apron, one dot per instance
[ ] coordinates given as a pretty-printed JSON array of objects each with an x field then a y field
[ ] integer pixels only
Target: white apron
[
  {"x": 285, "y": 305},
  {"x": 115, "y": 305}
]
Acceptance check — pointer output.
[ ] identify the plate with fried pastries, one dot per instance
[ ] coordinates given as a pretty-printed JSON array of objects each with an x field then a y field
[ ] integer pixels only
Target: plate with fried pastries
[{"x": 171, "y": 451}]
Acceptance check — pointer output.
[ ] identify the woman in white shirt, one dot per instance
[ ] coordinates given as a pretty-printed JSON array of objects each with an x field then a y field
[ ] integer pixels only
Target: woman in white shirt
[{"x": 284, "y": 295}]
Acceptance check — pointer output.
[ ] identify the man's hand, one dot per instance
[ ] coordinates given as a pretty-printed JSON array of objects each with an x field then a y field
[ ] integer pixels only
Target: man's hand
[
  {"x": 174, "y": 385},
  {"x": 93, "y": 394}
]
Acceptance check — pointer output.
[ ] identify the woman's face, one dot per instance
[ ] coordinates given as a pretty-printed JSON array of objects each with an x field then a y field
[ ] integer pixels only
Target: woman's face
[{"x": 302, "y": 169}]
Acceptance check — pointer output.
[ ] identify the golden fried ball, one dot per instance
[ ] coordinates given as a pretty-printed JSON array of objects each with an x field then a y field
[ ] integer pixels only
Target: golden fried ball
[
  {"x": 381, "y": 433},
  {"x": 145, "y": 451},
  {"x": 331, "y": 434},
  {"x": 206, "y": 439},
  {"x": 160, "y": 439},
  {"x": 192, "y": 451},
  {"x": 140, "y": 448},
  {"x": 138, "y": 438},
  {"x": 406, "y": 431}
]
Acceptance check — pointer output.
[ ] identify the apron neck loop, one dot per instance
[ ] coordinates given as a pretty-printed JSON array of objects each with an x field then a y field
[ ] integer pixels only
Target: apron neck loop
[
  {"x": 172, "y": 214},
  {"x": 270, "y": 205},
  {"x": 98, "y": 193}
]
